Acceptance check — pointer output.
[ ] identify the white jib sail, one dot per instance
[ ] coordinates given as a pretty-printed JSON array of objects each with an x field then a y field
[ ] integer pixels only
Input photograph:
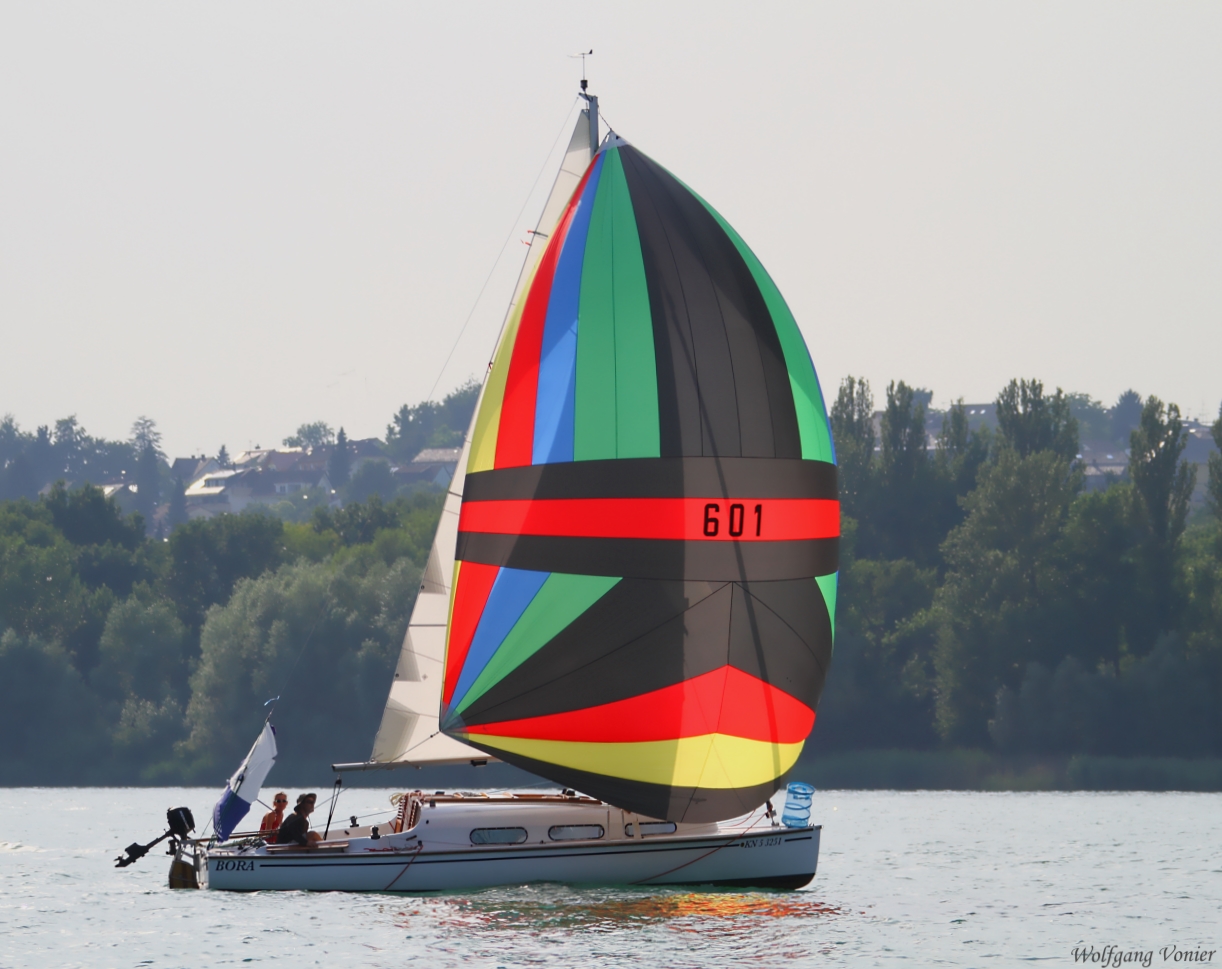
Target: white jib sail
[{"x": 410, "y": 732}]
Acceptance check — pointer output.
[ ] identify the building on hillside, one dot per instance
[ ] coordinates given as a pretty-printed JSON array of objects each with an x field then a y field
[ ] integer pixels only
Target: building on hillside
[
  {"x": 236, "y": 489},
  {"x": 193, "y": 468},
  {"x": 1103, "y": 463},
  {"x": 207, "y": 495},
  {"x": 278, "y": 459},
  {"x": 433, "y": 465},
  {"x": 1199, "y": 447}
]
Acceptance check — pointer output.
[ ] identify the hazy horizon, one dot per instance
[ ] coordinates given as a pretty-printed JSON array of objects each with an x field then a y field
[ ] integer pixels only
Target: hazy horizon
[{"x": 239, "y": 219}]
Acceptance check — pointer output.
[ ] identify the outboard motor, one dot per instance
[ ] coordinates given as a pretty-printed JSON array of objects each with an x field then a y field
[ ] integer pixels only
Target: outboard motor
[
  {"x": 181, "y": 824},
  {"x": 180, "y": 821}
]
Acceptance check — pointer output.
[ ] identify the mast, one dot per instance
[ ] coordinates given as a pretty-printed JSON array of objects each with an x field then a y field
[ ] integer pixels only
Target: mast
[{"x": 592, "y": 101}]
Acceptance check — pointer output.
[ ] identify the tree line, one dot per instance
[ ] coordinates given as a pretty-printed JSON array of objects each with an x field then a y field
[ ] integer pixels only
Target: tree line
[
  {"x": 31, "y": 461},
  {"x": 126, "y": 659},
  {"x": 989, "y": 600}
]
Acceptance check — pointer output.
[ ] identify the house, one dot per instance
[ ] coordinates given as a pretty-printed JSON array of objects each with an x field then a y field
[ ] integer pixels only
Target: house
[
  {"x": 207, "y": 495},
  {"x": 434, "y": 465},
  {"x": 1103, "y": 463},
  {"x": 193, "y": 468},
  {"x": 236, "y": 489},
  {"x": 278, "y": 459}
]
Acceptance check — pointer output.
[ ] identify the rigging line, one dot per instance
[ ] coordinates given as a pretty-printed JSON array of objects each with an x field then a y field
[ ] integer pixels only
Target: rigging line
[
  {"x": 602, "y": 115},
  {"x": 496, "y": 262}
]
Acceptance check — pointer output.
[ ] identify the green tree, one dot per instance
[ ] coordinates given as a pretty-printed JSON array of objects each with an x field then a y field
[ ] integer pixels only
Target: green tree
[
  {"x": 431, "y": 424},
  {"x": 143, "y": 668},
  {"x": 318, "y": 434},
  {"x": 1001, "y": 568},
  {"x": 19, "y": 479},
  {"x": 339, "y": 464},
  {"x": 50, "y": 720},
  {"x": 1163, "y": 481},
  {"x": 1125, "y": 414},
  {"x": 880, "y": 693},
  {"x": 1164, "y": 485},
  {"x": 209, "y": 556},
  {"x": 1029, "y": 422},
  {"x": 72, "y": 447},
  {"x": 853, "y": 431},
  {"x": 904, "y": 447},
  {"x": 144, "y": 652},
  {"x": 372, "y": 478},
  {"x": 1215, "y": 468},
  {"x": 903, "y": 520},
  {"x": 222, "y": 457},
  {"x": 1161, "y": 704},
  {"x": 12, "y": 441},
  {"x": 85, "y": 516},
  {"x": 177, "y": 514},
  {"x": 1199, "y": 574},
  {"x": 44, "y": 460},
  {"x": 145, "y": 434},
  {"x": 146, "y": 440},
  {"x": 358, "y": 523},
  {"x": 148, "y": 482},
  {"x": 1104, "y": 608},
  {"x": 109, "y": 547},
  {"x": 961, "y": 452},
  {"x": 1094, "y": 422},
  {"x": 326, "y": 641},
  {"x": 41, "y": 592}
]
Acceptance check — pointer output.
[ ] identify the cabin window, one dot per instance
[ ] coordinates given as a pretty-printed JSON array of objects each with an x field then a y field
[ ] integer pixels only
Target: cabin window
[
  {"x": 498, "y": 836},
  {"x": 575, "y": 832},
  {"x": 651, "y": 827}
]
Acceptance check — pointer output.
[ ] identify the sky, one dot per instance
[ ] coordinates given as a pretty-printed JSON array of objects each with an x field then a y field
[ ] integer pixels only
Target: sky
[{"x": 236, "y": 218}]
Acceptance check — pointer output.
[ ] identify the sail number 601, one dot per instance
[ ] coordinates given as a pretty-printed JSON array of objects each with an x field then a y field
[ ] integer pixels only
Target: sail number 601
[{"x": 736, "y": 519}]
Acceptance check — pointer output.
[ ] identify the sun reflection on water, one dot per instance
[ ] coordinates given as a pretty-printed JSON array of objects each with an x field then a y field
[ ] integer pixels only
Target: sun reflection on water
[{"x": 736, "y": 912}]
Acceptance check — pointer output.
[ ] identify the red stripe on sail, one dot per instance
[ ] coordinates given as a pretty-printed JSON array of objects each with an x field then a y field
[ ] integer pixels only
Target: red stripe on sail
[
  {"x": 726, "y": 701},
  {"x": 516, "y": 431},
  {"x": 474, "y": 583},
  {"x": 680, "y": 519}
]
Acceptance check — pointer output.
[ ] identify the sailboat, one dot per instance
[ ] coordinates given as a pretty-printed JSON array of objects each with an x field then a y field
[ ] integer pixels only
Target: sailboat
[{"x": 632, "y": 588}]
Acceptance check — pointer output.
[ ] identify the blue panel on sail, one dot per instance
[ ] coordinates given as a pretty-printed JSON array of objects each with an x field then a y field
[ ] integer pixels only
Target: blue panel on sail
[
  {"x": 511, "y": 594},
  {"x": 558, "y": 360}
]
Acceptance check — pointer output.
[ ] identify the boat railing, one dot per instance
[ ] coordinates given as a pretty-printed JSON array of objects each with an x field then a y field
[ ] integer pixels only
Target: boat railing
[{"x": 328, "y": 846}]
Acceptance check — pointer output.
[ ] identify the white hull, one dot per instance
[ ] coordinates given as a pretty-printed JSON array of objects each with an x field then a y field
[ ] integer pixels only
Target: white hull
[{"x": 436, "y": 853}]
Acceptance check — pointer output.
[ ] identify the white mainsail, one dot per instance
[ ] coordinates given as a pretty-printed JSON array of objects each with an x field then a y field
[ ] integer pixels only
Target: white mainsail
[{"x": 410, "y": 733}]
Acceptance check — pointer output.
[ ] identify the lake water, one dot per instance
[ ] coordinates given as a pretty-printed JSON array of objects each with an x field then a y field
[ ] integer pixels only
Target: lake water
[{"x": 922, "y": 879}]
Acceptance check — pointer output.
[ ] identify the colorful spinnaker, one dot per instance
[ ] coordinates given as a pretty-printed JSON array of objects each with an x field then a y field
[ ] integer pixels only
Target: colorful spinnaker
[{"x": 644, "y": 594}]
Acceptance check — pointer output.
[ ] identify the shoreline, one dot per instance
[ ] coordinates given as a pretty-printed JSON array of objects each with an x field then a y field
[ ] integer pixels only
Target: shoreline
[
  {"x": 864, "y": 770},
  {"x": 978, "y": 770}
]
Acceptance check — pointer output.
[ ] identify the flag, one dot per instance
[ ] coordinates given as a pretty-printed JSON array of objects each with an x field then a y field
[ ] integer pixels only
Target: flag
[{"x": 243, "y": 788}]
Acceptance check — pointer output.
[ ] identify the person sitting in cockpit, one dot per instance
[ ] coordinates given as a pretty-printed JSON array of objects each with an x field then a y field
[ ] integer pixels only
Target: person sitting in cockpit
[
  {"x": 274, "y": 818},
  {"x": 296, "y": 827}
]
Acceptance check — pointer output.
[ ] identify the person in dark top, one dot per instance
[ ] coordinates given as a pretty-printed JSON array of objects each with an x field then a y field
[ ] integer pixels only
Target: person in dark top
[{"x": 296, "y": 827}]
